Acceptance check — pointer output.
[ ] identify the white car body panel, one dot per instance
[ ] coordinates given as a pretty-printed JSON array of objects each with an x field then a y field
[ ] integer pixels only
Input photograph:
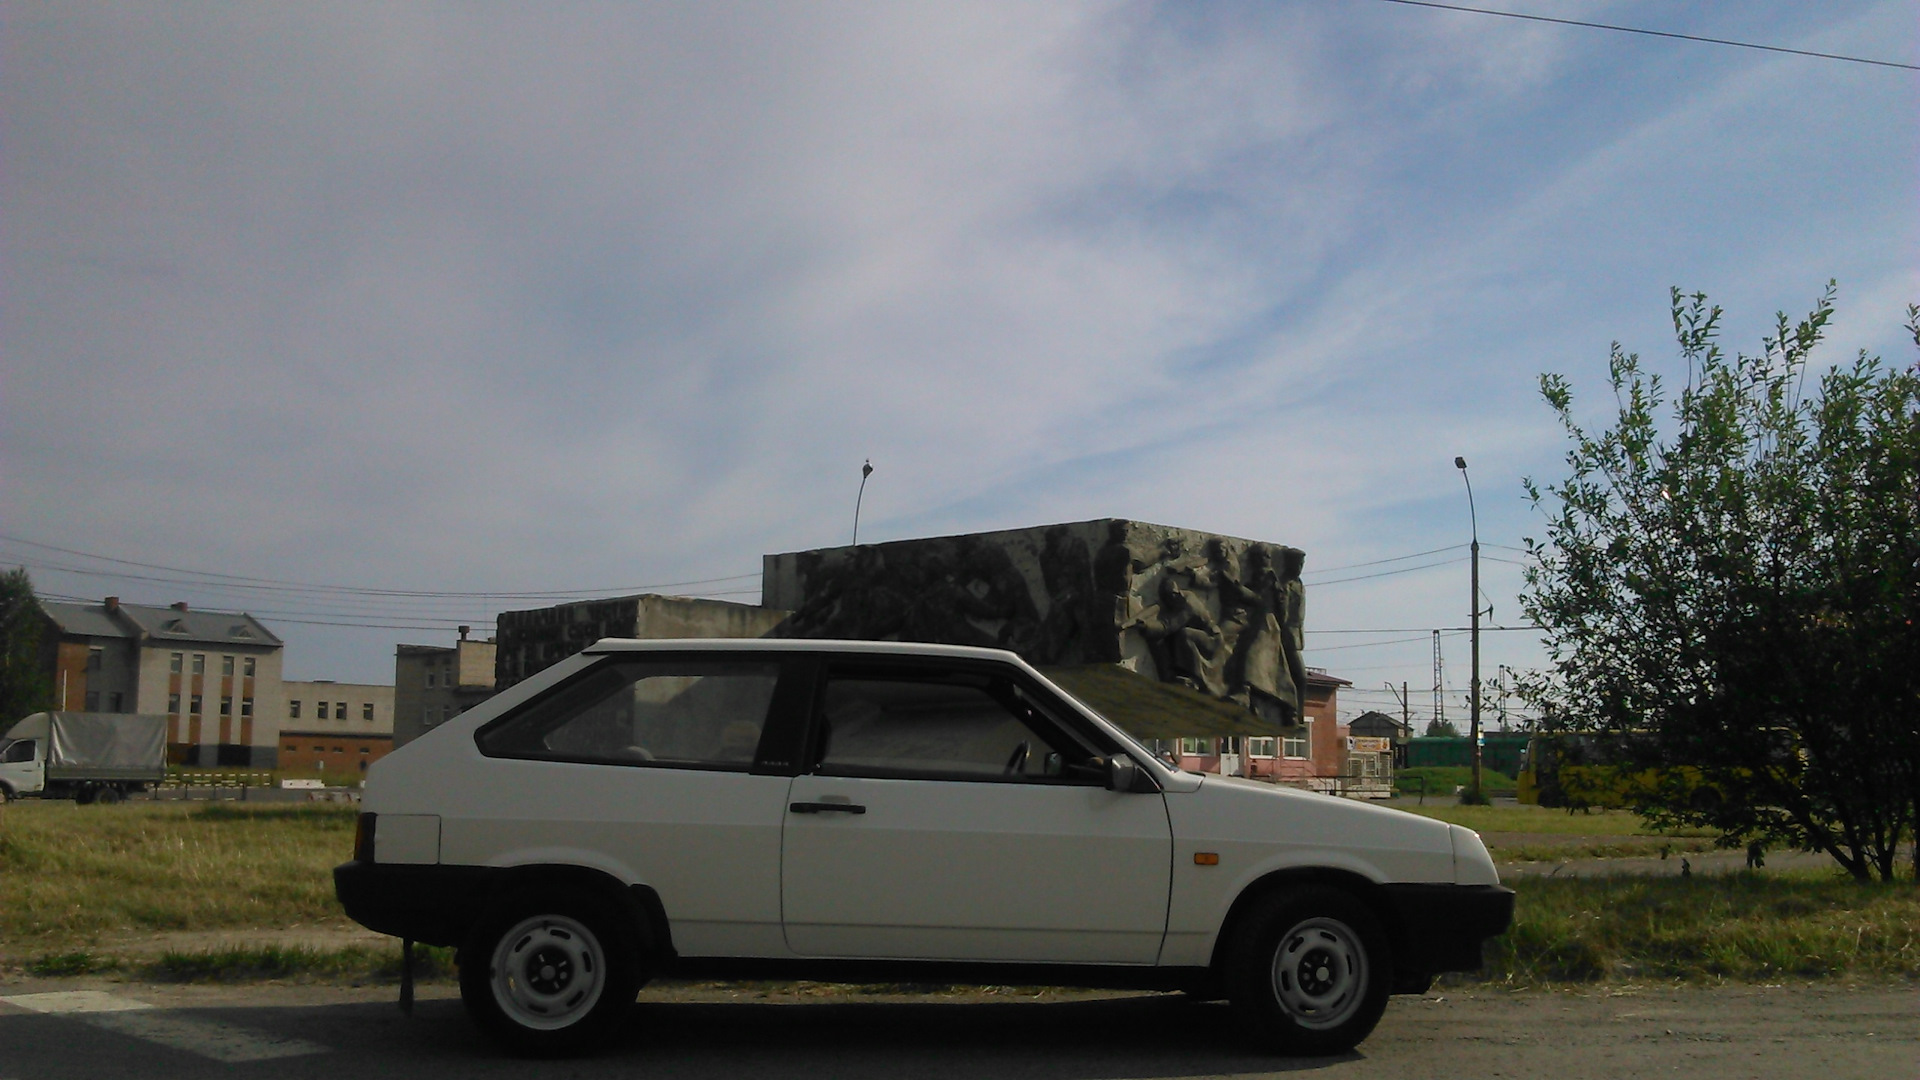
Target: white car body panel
[
  {"x": 935, "y": 870},
  {"x": 1257, "y": 829},
  {"x": 955, "y": 870}
]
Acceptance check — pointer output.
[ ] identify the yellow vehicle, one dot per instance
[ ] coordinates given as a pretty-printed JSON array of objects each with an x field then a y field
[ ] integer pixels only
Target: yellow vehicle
[{"x": 1578, "y": 771}]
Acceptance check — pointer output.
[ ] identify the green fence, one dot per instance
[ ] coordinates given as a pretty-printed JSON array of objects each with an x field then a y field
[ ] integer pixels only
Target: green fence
[{"x": 1499, "y": 751}]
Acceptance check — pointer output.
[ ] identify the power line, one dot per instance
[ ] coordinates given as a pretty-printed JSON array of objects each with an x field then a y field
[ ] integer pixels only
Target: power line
[
  {"x": 1389, "y": 573},
  {"x": 1655, "y": 33},
  {"x": 1423, "y": 629},
  {"x": 241, "y": 581},
  {"x": 1379, "y": 562}
]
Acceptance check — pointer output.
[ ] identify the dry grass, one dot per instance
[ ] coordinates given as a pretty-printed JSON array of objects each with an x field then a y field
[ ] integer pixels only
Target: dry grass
[
  {"x": 70, "y": 874},
  {"x": 1741, "y": 927}
]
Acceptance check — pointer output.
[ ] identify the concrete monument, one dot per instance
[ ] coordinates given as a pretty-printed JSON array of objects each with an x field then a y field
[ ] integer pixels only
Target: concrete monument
[{"x": 1217, "y": 614}]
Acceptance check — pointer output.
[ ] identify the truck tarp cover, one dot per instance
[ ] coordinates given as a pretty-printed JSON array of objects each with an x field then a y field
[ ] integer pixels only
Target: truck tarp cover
[{"x": 107, "y": 741}]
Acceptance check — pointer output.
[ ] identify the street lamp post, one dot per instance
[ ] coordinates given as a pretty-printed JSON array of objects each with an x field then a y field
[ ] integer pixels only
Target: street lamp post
[
  {"x": 1473, "y": 699},
  {"x": 866, "y": 470}
]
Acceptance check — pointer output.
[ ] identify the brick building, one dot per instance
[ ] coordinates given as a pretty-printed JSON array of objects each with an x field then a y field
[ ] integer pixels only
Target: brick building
[
  {"x": 215, "y": 675},
  {"x": 335, "y": 728}
]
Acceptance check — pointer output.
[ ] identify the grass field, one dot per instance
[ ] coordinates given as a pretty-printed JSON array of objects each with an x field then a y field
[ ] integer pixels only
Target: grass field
[
  {"x": 69, "y": 874},
  {"x": 73, "y": 879},
  {"x": 1739, "y": 927}
]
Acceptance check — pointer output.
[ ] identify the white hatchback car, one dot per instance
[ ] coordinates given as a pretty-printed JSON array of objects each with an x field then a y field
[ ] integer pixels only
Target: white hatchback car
[{"x": 878, "y": 811}]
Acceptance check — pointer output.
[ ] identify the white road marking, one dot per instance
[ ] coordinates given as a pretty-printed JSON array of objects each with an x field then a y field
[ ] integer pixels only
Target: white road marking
[
  {"x": 208, "y": 1038},
  {"x": 75, "y": 1001}
]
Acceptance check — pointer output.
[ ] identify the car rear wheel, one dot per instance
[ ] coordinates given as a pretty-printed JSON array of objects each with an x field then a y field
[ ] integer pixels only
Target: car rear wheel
[
  {"x": 550, "y": 976},
  {"x": 1310, "y": 972}
]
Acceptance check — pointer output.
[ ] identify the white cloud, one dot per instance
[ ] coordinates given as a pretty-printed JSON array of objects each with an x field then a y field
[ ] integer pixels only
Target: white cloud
[{"x": 462, "y": 298}]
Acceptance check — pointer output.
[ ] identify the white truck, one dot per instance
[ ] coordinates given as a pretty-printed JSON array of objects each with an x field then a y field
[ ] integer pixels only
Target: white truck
[{"x": 87, "y": 757}]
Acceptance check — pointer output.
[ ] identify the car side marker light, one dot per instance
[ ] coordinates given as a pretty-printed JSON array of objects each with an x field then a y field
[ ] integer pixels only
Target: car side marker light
[{"x": 1206, "y": 858}]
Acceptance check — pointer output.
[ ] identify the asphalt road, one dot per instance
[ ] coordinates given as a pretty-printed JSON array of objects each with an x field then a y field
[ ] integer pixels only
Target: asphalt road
[{"x": 94, "y": 1030}]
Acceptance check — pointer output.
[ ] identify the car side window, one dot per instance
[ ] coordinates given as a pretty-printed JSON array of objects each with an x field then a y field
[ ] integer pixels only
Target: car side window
[
  {"x": 21, "y": 750},
  {"x": 951, "y": 727},
  {"x": 664, "y": 712}
]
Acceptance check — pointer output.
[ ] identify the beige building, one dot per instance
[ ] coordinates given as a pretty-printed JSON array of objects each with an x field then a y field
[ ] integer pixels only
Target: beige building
[
  {"x": 335, "y": 728},
  {"x": 433, "y": 683},
  {"x": 215, "y": 675}
]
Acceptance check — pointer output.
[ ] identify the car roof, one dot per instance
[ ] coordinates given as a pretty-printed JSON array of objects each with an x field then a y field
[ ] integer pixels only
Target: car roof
[{"x": 798, "y": 645}]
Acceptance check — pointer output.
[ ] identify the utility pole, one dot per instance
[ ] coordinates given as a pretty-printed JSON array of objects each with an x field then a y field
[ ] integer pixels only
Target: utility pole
[
  {"x": 1473, "y": 699},
  {"x": 1406, "y": 715},
  {"x": 1439, "y": 684}
]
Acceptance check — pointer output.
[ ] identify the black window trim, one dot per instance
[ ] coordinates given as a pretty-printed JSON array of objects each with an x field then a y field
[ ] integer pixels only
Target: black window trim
[{"x": 790, "y": 677}]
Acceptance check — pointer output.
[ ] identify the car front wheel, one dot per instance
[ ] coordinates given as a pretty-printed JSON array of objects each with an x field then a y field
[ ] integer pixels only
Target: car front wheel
[
  {"x": 1310, "y": 972},
  {"x": 549, "y": 977}
]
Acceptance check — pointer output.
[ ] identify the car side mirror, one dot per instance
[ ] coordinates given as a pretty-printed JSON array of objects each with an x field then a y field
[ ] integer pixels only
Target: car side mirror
[{"x": 1125, "y": 774}]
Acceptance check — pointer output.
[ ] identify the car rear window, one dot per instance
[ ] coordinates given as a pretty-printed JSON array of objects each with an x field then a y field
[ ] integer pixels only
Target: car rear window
[{"x": 665, "y": 711}]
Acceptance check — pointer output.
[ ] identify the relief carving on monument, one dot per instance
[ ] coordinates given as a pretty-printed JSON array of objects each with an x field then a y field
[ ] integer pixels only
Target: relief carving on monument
[{"x": 1222, "y": 615}]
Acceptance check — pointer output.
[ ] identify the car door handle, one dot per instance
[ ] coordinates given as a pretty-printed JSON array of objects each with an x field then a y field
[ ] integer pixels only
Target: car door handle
[{"x": 826, "y": 808}]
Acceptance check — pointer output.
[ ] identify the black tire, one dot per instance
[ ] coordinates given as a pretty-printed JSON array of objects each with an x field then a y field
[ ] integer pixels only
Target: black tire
[
  {"x": 107, "y": 796},
  {"x": 550, "y": 975},
  {"x": 1309, "y": 972},
  {"x": 85, "y": 794}
]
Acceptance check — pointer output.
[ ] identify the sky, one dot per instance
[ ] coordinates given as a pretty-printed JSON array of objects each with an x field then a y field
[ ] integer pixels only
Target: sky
[{"x": 420, "y": 305}]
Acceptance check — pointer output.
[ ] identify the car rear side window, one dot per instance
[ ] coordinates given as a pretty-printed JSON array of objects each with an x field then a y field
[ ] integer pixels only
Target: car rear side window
[{"x": 665, "y": 711}]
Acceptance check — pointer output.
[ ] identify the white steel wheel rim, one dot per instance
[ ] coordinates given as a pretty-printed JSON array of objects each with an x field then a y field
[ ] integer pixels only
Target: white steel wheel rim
[
  {"x": 1320, "y": 973},
  {"x": 548, "y": 972}
]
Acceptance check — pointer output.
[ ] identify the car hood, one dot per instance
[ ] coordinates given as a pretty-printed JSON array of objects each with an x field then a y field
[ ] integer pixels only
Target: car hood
[{"x": 1271, "y": 827}]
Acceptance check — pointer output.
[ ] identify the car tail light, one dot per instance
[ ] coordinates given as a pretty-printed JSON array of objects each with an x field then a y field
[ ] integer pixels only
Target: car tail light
[{"x": 363, "y": 838}]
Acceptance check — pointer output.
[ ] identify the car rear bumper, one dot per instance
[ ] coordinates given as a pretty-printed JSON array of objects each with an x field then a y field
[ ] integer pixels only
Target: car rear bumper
[{"x": 433, "y": 904}]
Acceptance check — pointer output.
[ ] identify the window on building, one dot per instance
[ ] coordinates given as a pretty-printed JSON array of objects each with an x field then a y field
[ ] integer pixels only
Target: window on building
[
  {"x": 95, "y": 657},
  {"x": 293, "y": 710},
  {"x": 173, "y": 704},
  {"x": 246, "y": 706},
  {"x": 364, "y": 750},
  {"x": 199, "y": 663},
  {"x": 320, "y": 709},
  {"x": 319, "y": 749},
  {"x": 366, "y": 711},
  {"x": 1301, "y": 745},
  {"x": 1200, "y": 747},
  {"x": 226, "y": 706},
  {"x": 339, "y": 750},
  {"x": 115, "y": 702},
  {"x": 430, "y": 677},
  {"x": 246, "y": 667},
  {"x": 93, "y": 701},
  {"x": 193, "y": 705},
  {"x": 226, "y": 665},
  {"x": 174, "y": 662},
  {"x": 291, "y": 748},
  {"x": 1260, "y": 746},
  {"x": 339, "y": 710}
]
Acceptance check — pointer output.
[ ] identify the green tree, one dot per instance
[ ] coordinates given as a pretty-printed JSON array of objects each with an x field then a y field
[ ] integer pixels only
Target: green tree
[
  {"x": 1442, "y": 729},
  {"x": 1732, "y": 596},
  {"x": 24, "y": 685}
]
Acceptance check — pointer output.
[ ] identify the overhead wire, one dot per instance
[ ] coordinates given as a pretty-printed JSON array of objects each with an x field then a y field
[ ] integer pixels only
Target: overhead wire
[{"x": 1654, "y": 33}]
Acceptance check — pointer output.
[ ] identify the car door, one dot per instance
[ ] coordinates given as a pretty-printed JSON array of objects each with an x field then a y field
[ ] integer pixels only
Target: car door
[
  {"x": 947, "y": 815},
  {"x": 651, "y": 766}
]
